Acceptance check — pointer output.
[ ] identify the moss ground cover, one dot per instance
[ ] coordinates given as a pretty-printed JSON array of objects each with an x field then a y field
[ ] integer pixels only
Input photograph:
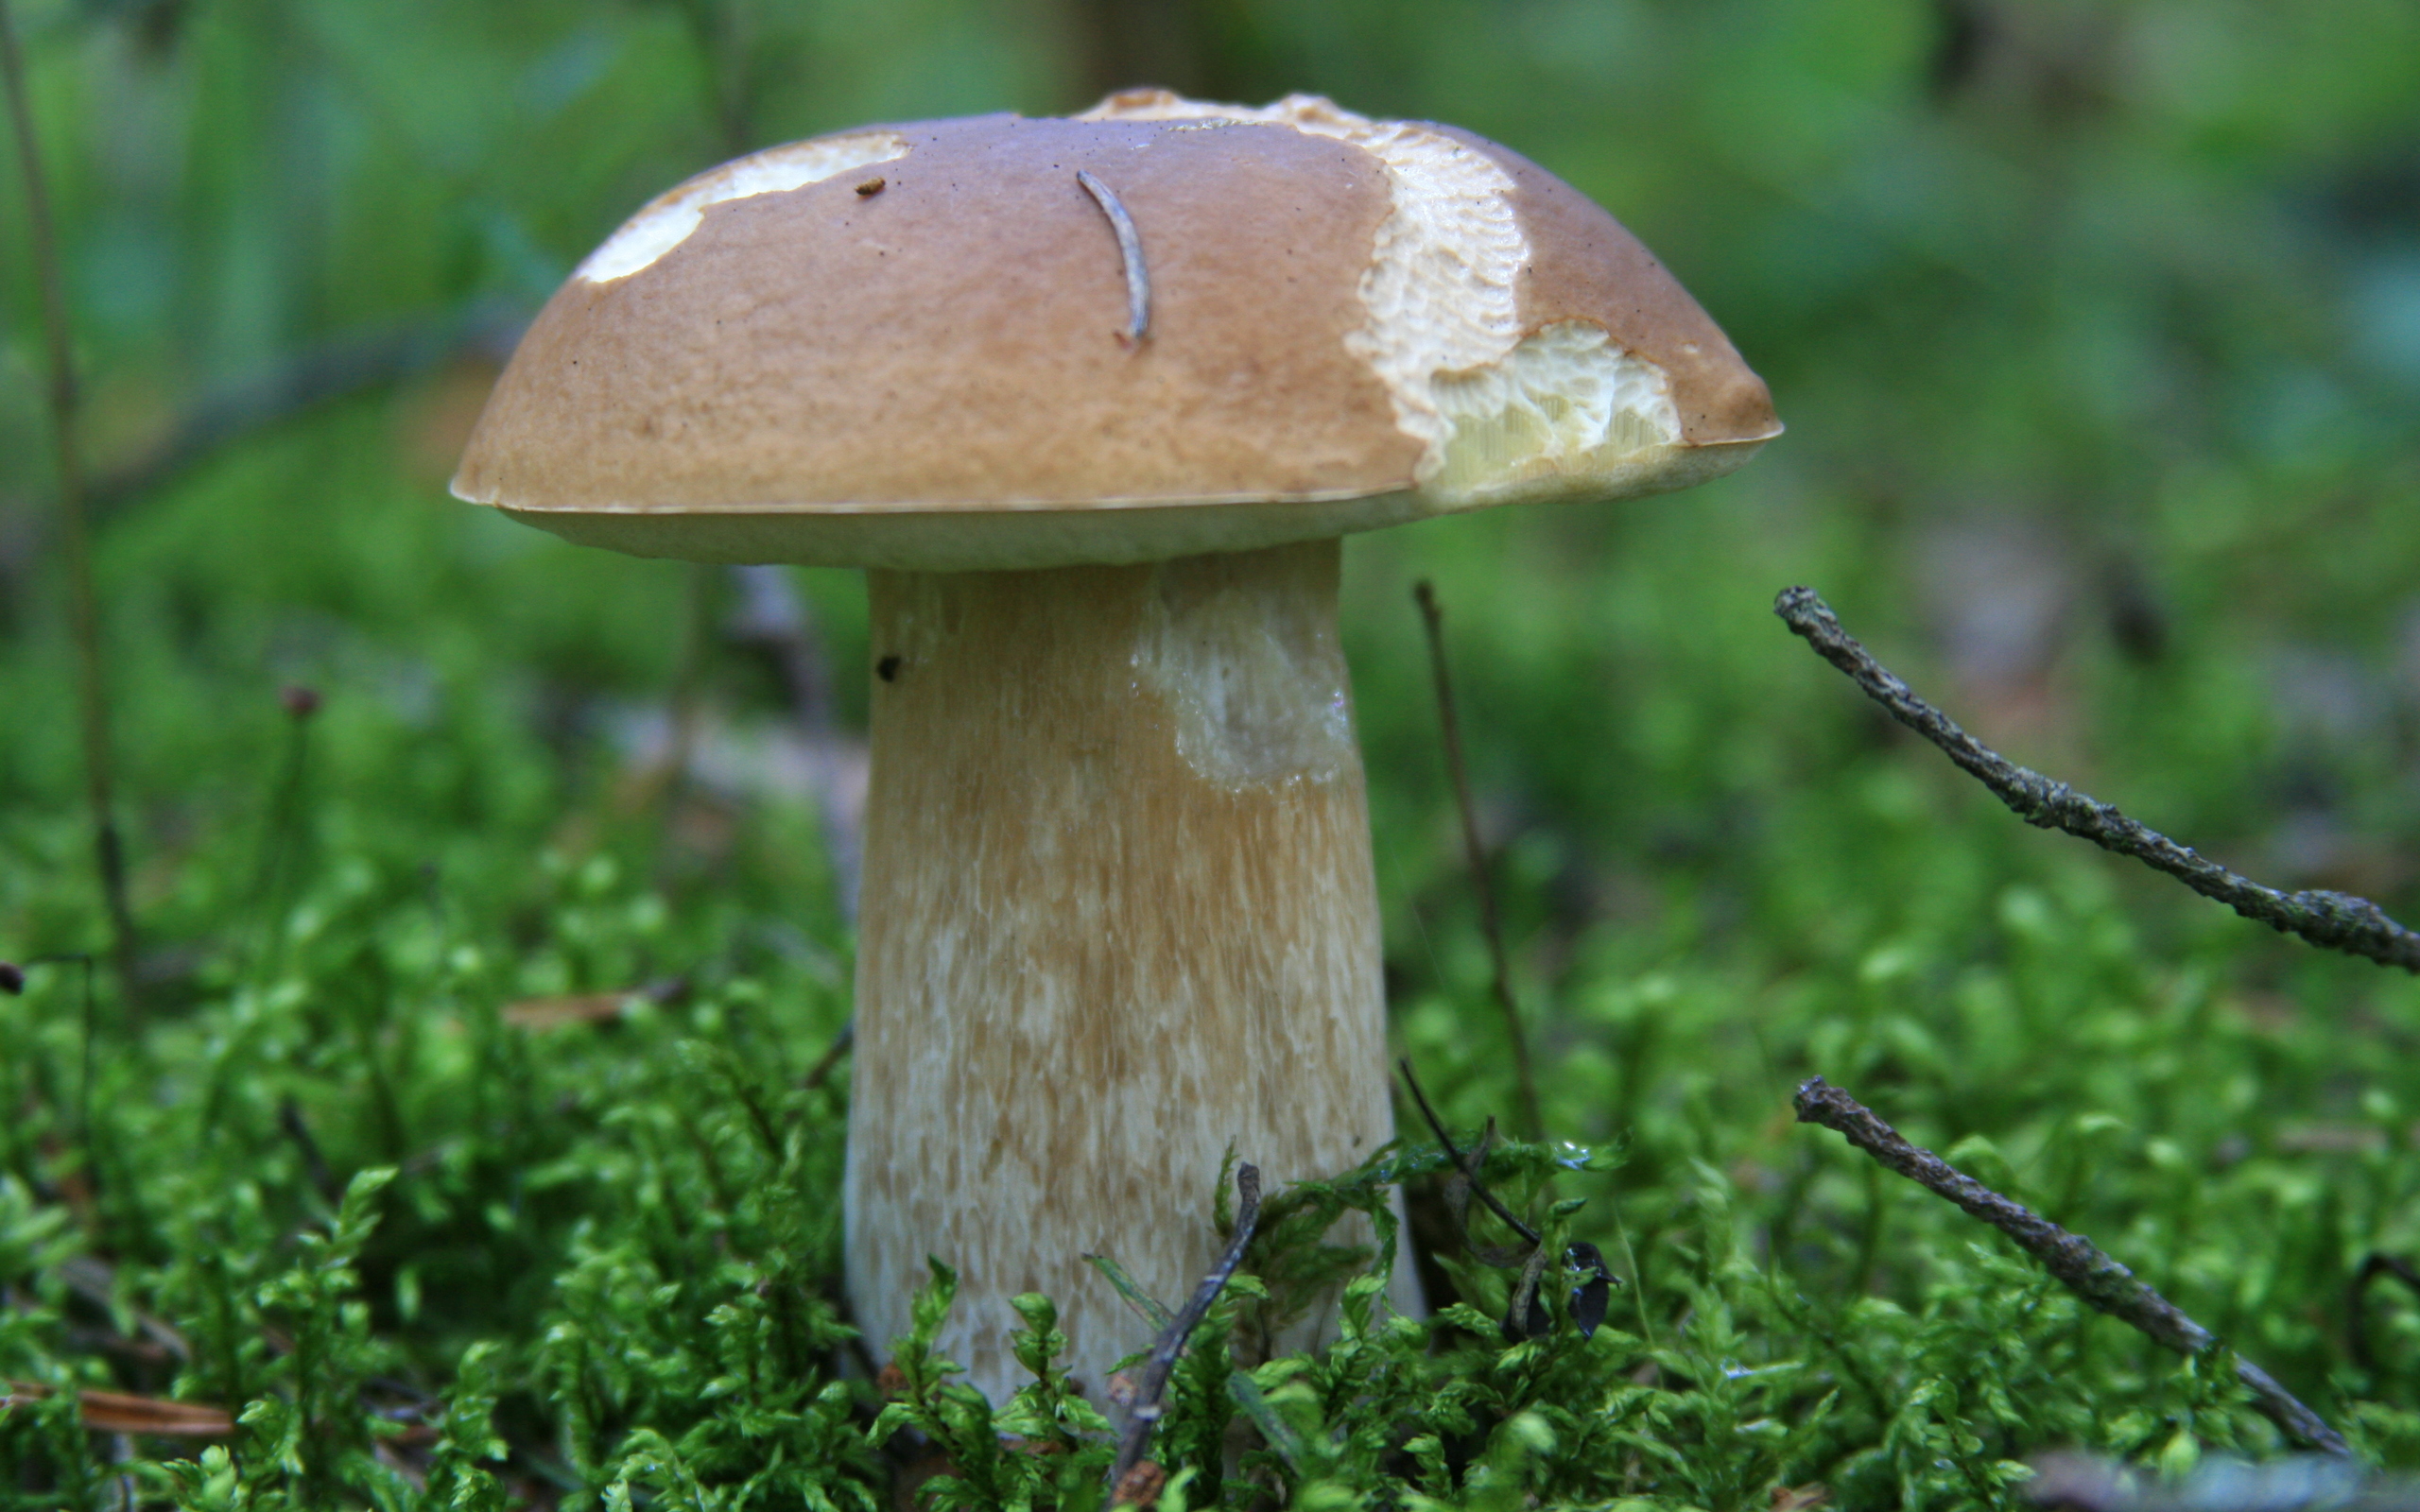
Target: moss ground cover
[{"x": 465, "y": 1144}]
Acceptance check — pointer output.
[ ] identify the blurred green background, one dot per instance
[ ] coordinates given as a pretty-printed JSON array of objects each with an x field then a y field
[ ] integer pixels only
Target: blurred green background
[{"x": 2095, "y": 326}]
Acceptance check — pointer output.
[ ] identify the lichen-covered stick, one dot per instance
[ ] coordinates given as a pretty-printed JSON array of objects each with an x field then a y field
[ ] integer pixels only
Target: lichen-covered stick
[
  {"x": 2336, "y": 920},
  {"x": 2101, "y": 1282}
]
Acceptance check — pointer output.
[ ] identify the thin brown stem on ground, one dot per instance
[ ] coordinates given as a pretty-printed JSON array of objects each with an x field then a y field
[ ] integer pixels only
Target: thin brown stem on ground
[
  {"x": 821, "y": 1070},
  {"x": 1432, "y": 614},
  {"x": 1466, "y": 1162},
  {"x": 75, "y": 541}
]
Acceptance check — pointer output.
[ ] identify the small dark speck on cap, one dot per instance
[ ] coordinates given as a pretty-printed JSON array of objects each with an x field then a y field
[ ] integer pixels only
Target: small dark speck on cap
[{"x": 872, "y": 185}]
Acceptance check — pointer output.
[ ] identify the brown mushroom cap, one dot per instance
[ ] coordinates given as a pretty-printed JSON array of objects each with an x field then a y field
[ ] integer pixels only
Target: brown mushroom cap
[{"x": 905, "y": 347}]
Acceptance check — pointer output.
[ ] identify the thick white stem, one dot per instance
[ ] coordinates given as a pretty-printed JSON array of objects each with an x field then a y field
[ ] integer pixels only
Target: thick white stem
[{"x": 1117, "y": 918}]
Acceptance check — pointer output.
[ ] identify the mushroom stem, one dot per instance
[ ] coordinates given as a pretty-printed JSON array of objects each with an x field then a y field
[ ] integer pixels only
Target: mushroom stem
[{"x": 1118, "y": 918}]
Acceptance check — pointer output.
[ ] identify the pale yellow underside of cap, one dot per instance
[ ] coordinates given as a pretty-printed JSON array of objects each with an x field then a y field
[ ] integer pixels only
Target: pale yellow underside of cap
[{"x": 910, "y": 538}]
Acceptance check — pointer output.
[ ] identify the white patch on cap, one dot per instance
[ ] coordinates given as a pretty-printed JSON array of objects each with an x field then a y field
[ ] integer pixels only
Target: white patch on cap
[
  {"x": 1490, "y": 407},
  {"x": 1564, "y": 402},
  {"x": 668, "y": 219}
]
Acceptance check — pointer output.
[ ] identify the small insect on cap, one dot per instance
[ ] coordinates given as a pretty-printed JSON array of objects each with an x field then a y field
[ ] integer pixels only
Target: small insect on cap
[{"x": 1159, "y": 328}]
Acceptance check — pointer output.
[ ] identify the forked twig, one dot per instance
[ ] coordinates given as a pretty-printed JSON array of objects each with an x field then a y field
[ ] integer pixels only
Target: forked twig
[
  {"x": 1466, "y": 1164},
  {"x": 1432, "y": 614},
  {"x": 2102, "y": 1282},
  {"x": 1525, "y": 1315},
  {"x": 2338, "y": 922},
  {"x": 1152, "y": 1384}
]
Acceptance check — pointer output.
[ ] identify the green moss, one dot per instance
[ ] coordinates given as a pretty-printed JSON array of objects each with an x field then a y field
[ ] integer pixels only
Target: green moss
[{"x": 2125, "y": 291}]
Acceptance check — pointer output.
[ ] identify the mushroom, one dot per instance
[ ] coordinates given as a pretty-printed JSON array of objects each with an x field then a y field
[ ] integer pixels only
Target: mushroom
[{"x": 1093, "y": 399}]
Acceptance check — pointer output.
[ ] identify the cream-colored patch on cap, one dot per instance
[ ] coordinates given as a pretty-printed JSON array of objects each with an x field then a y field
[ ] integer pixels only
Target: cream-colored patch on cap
[
  {"x": 1490, "y": 407},
  {"x": 1564, "y": 402},
  {"x": 668, "y": 219}
]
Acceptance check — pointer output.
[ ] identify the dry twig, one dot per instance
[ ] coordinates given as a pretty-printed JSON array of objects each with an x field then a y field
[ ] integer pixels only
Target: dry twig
[
  {"x": 75, "y": 541},
  {"x": 1468, "y": 1164},
  {"x": 2102, "y": 1282},
  {"x": 1129, "y": 252},
  {"x": 1526, "y": 1317},
  {"x": 1432, "y": 614},
  {"x": 2336, "y": 920},
  {"x": 116, "y": 1412},
  {"x": 1152, "y": 1381},
  {"x": 591, "y": 1007},
  {"x": 315, "y": 1163},
  {"x": 94, "y": 1279},
  {"x": 841, "y": 1045}
]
